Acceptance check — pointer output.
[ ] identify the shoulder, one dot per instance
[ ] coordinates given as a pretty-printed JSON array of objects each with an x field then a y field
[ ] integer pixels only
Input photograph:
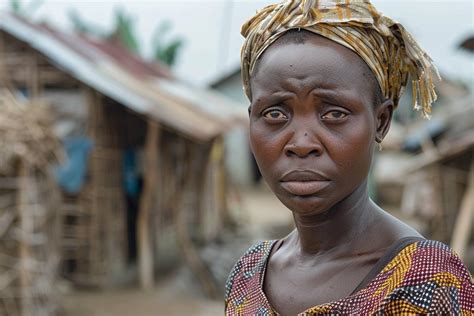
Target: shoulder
[
  {"x": 432, "y": 276},
  {"x": 436, "y": 262},
  {"x": 431, "y": 258},
  {"x": 251, "y": 264}
]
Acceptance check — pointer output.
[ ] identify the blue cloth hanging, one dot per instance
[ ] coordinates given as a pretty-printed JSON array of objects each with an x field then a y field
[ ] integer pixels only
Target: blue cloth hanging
[
  {"x": 131, "y": 177},
  {"x": 72, "y": 174}
]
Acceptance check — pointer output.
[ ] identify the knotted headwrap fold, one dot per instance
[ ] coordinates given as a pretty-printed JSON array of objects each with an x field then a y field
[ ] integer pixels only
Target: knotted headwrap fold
[{"x": 388, "y": 49}]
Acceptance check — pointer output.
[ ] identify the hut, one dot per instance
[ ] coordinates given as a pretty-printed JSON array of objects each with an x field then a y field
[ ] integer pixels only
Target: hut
[
  {"x": 29, "y": 201},
  {"x": 151, "y": 163}
]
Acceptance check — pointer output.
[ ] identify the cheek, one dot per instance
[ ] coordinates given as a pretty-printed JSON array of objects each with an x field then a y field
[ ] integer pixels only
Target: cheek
[
  {"x": 356, "y": 148},
  {"x": 265, "y": 147}
]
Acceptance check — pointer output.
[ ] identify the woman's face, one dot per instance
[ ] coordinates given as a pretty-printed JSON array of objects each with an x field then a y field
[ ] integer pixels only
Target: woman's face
[{"x": 313, "y": 122}]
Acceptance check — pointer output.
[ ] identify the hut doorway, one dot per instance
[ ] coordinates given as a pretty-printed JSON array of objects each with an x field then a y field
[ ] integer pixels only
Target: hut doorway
[{"x": 133, "y": 187}]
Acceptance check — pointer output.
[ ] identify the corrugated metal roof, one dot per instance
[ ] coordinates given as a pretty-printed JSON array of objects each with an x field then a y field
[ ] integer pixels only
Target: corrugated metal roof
[{"x": 143, "y": 87}]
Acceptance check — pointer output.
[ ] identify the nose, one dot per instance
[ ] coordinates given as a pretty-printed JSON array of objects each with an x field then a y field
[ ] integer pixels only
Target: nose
[{"x": 303, "y": 144}]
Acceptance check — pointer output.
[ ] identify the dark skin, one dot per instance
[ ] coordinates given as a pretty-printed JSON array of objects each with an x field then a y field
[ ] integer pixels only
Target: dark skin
[{"x": 314, "y": 121}]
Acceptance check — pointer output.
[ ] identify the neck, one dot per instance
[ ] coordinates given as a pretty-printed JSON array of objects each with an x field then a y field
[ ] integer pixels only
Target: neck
[{"x": 338, "y": 226}]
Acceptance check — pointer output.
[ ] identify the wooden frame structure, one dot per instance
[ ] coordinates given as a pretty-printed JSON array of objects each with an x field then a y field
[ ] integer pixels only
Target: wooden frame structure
[{"x": 184, "y": 177}]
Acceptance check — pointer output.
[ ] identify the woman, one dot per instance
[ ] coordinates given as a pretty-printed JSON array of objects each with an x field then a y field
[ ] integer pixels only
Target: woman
[{"x": 323, "y": 78}]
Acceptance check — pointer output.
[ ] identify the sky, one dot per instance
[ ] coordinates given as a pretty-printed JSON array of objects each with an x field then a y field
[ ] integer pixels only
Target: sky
[{"x": 211, "y": 29}]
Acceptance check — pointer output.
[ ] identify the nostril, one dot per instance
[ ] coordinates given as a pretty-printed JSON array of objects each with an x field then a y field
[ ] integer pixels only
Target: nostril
[
  {"x": 289, "y": 153},
  {"x": 314, "y": 152},
  {"x": 302, "y": 151}
]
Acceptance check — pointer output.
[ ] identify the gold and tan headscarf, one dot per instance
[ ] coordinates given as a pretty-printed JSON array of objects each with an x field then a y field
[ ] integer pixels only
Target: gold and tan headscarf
[{"x": 388, "y": 49}]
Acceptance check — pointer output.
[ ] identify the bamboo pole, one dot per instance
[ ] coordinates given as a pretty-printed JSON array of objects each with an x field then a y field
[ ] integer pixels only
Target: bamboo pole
[
  {"x": 222, "y": 185},
  {"x": 201, "y": 191},
  {"x": 24, "y": 249},
  {"x": 34, "y": 77},
  {"x": 465, "y": 218},
  {"x": 145, "y": 245},
  {"x": 93, "y": 251},
  {"x": 190, "y": 253}
]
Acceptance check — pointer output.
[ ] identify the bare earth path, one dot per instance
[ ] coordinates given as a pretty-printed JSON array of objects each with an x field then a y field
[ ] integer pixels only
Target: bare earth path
[{"x": 166, "y": 299}]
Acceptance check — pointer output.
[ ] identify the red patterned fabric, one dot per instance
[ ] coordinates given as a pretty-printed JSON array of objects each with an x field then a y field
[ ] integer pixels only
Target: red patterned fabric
[{"x": 426, "y": 277}]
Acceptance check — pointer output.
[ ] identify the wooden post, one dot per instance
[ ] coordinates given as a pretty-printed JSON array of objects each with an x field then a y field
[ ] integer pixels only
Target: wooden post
[
  {"x": 5, "y": 75},
  {"x": 24, "y": 247},
  {"x": 3, "y": 81},
  {"x": 190, "y": 253},
  {"x": 465, "y": 217},
  {"x": 201, "y": 191},
  {"x": 145, "y": 245},
  {"x": 34, "y": 78},
  {"x": 221, "y": 184}
]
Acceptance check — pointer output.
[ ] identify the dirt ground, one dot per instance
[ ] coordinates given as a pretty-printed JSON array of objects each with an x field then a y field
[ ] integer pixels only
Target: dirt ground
[
  {"x": 166, "y": 299},
  {"x": 265, "y": 216}
]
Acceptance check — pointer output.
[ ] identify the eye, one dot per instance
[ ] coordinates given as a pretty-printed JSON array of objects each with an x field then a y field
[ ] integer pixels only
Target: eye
[
  {"x": 334, "y": 115},
  {"x": 274, "y": 115}
]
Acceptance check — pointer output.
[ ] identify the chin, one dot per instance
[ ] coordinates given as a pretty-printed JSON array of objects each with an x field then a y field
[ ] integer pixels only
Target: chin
[{"x": 306, "y": 205}]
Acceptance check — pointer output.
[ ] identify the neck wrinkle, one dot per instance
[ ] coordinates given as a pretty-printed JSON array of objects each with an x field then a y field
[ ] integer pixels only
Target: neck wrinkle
[{"x": 335, "y": 228}]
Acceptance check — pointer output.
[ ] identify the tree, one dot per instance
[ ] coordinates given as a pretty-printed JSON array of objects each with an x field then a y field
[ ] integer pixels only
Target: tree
[
  {"x": 22, "y": 9},
  {"x": 163, "y": 50},
  {"x": 123, "y": 32},
  {"x": 83, "y": 27}
]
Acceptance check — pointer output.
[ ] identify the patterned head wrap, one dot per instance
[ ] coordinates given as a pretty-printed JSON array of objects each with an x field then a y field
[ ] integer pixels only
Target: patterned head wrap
[{"x": 388, "y": 49}]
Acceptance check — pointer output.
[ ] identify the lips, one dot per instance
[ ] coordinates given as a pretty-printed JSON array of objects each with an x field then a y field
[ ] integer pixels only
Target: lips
[{"x": 303, "y": 182}]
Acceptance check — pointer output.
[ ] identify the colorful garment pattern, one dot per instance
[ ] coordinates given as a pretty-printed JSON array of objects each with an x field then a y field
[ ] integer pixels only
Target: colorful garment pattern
[{"x": 426, "y": 277}]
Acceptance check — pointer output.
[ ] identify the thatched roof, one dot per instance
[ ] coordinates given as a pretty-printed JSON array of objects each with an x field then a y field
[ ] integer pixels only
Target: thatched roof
[{"x": 25, "y": 134}]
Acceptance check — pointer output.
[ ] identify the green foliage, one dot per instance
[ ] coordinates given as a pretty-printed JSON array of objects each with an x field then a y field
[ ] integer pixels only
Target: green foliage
[
  {"x": 124, "y": 31},
  {"x": 82, "y": 26},
  {"x": 166, "y": 51},
  {"x": 15, "y": 6},
  {"x": 21, "y": 9}
]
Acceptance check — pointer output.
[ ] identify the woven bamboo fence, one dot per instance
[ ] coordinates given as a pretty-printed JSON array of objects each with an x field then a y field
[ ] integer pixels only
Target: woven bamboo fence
[{"x": 29, "y": 199}]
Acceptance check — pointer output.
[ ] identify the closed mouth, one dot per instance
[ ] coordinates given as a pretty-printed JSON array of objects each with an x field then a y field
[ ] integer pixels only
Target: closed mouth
[
  {"x": 303, "y": 175},
  {"x": 304, "y": 182},
  {"x": 304, "y": 188}
]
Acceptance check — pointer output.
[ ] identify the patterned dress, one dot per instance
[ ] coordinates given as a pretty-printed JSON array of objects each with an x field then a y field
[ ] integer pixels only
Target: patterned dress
[{"x": 425, "y": 277}]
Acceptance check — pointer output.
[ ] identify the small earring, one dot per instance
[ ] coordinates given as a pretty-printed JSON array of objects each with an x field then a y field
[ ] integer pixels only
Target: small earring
[{"x": 379, "y": 143}]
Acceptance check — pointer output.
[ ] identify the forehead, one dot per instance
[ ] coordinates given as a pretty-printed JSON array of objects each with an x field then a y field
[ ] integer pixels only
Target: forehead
[{"x": 310, "y": 63}]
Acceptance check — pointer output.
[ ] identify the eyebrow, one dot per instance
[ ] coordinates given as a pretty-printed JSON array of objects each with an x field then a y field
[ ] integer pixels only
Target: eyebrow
[
  {"x": 277, "y": 96},
  {"x": 327, "y": 94},
  {"x": 336, "y": 97}
]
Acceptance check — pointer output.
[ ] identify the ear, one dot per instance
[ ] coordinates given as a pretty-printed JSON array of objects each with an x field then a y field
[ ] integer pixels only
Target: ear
[{"x": 383, "y": 117}]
